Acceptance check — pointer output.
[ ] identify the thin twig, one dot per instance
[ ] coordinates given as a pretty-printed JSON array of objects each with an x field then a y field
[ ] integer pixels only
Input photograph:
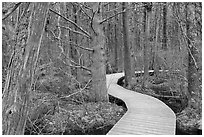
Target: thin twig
[
  {"x": 83, "y": 10},
  {"x": 74, "y": 44},
  {"x": 163, "y": 96},
  {"x": 77, "y": 32},
  {"x": 92, "y": 23},
  {"x": 79, "y": 66},
  {"x": 112, "y": 17},
  {"x": 55, "y": 35},
  {"x": 76, "y": 25},
  {"x": 113, "y": 10},
  {"x": 88, "y": 49},
  {"x": 86, "y": 6},
  {"x": 24, "y": 11},
  {"x": 14, "y": 8},
  {"x": 185, "y": 39},
  {"x": 105, "y": 4},
  {"x": 83, "y": 89}
]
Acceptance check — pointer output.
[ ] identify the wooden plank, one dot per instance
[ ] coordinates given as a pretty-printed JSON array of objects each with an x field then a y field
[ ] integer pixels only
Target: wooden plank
[{"x": 145, "y": 115}]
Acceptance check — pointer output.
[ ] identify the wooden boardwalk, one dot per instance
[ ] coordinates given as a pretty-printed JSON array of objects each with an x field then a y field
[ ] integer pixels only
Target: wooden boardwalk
[{"x": 145, "y": 114}]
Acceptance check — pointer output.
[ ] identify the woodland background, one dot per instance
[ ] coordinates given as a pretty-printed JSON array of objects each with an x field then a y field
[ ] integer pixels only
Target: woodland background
[{"x": 55, "y": 57}]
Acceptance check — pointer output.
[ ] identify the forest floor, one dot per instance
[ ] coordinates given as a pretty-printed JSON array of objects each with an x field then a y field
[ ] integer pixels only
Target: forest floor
[
  {"x": 170, "y": 87},
  {"x": 51, "y": 115},
  {"x": 57, "y": 110}
]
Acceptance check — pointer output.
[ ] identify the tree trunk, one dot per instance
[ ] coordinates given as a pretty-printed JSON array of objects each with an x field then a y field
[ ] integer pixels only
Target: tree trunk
[
  {"x": 164, "y": 42},
  {"x": 147, "y": 14},
  {"x": 98, "y": 69},
  {"x": 116, "y": 41},
  {"x": 193, "y": 83},
  {"x": 74, "y": 51},
  {"x": 64, "y": 35},
  {"x": 120, "y": 44},
  {"x": 156, "y": 44},
  {"x": 137, "y": 38},
  {"x": 16, "y": 97},
  {"x": 127, "y": 58}
]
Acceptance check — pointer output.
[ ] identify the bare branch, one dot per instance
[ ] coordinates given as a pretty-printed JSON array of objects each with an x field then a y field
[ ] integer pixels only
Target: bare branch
[
  {"x": 14, "y": 8},
  {"x": 185, "y": 39},
  {"x": 83, "y": 10},
  {"x": 112, "y": 17},
  {"x": 86, "y": 6},
  {"x": 79, "y": 66},
  {"x": 83, "y": 89},
  {"x": 77, "y": 32},
  {"x": 113, "y": 10},
  {"x": 76, "y": 45},
  {"x": 105, "y": 4},
  {"x": 163, "y": 96},
  {"x": 76, "y": 25},
  {"x": 24, "y": 11},
  {"x": 92, "y": 23},
  {"x": 55, "y": 35}
]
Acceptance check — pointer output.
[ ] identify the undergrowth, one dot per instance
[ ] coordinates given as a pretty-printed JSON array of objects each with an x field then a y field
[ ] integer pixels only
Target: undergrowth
[
  {"x": 60, "y": 106},
  {"x": 52, "y": 115},
  {"x": 174, "y": 93}
]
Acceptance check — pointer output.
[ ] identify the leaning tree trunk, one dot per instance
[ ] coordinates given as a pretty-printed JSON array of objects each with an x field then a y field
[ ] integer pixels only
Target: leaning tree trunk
[
  {"x": 16, "y": 95},
  {"x": 126, "y": 40},
  {"x": 99, "y": 89}
]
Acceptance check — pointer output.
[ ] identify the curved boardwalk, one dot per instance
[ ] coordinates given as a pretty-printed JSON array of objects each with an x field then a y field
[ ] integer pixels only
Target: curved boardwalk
[{"x": 145, "y": 114}]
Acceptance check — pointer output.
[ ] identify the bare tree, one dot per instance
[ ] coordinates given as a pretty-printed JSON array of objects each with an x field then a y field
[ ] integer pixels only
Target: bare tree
[
  {"x": 126, "y": 40},
  {"x": 193, "y": 83},
  {"x": 164, "y": 42},
  {"x": 98, "y": 56},
  {"x": 16, "y": 95},
  {"x": 147, "y": 15},
  {"x": 156, "y": 43}
]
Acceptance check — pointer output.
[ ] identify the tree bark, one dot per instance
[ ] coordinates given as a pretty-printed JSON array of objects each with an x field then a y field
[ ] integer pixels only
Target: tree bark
[
  {"x": 98, "y": 69},
  {"x": 156, "y": 44},
  {"x": 193, "y": 82},
  {"x": 116, "y": 40},
  {"x": 164, "y": 42},
  {"x": 126, "y": 40},
  {"x": 64, "y": 36},
  {"x": 147, "y": 14},
  {"x": 16, "y": 98},
  {"x": 74, "y": 51}
]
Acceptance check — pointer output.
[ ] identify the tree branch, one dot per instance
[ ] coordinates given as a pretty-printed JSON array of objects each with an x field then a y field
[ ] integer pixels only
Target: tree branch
[
  {"x": 14, "y": 8},
  {"x": 92, "y": 23},
  {"x": 76, "y": 25},
  {"x": 76, "y": 45},
  {"x": 105, "y": 4},
  {"x": 79, "y": 90},
  {"x": 185, "y": 39},
  {"x": 112, "y": 10},
  {"x": 83, "y": 10},
  {"x": 77, "y": 32},
  {"x": 55, "y": 35},
  {"x": 79, "y": 66},
  {"x": 112, "y": 17},
  {"x": 86, "y": 6}
]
